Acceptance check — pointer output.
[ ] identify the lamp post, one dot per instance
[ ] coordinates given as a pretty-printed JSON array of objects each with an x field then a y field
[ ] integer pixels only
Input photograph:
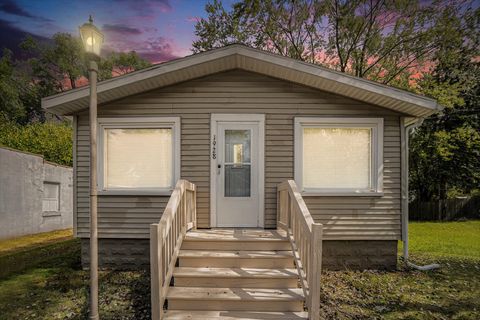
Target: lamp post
[{"x": 92, "y": 39}]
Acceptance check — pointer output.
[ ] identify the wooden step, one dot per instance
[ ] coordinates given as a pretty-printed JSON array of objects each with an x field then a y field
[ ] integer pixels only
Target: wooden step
[
  {"x": 240, "y": 259},
  {"x": 236, "y": 235},
  {"x": 189, "y": 244},
  {"x": 235, "y": 239},
  {"x": 233, "y": 315},
  {"x": 235, "y": 277},
  {"x": 235, "y": 299}
]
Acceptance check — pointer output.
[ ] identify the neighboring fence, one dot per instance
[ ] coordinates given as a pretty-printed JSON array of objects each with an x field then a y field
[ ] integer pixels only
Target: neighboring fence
[
  {"x": 445, "y": 210},
  {"x": 35, "y": 195}
]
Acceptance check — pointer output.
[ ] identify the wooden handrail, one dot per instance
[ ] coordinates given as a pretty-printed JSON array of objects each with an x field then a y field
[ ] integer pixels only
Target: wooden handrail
[
  {"x": 166, "y": 238},
  {"x": 305, "y": 236}
]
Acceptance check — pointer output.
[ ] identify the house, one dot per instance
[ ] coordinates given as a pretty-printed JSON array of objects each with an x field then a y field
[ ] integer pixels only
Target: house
[
  {"x": 236, "y": 122},
  {"x": 35, "y": 195}
]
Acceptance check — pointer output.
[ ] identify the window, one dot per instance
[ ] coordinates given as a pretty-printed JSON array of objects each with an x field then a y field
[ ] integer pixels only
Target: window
[
  {"x": 339, "y": 156},
  {"x": 138, "y": 155},
  {"x": 51, "y": 197},
  {"x": 237, "y": 163}
]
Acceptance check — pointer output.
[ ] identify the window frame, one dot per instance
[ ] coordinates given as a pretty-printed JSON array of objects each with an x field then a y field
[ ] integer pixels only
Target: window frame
[
  {"x": 377, "y": 127},
  {"x": 138, "y": 123},
  {"x": 49, "y": 213}
]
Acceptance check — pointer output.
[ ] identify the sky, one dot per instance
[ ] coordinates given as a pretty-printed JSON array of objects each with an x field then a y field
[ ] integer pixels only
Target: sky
[{"x": 158, "y": 30}]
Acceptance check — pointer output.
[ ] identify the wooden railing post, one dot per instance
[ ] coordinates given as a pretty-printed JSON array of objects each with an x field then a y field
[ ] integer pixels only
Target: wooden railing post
[
  {"x": 279, "y": 206},
  {"x": 315, "y": 270},
  {"x": 155, "y": 271},
  {"x": 163, "y": 248},
  {"x": 194, "y": 207},
  {"x": 184, "y": 207}
]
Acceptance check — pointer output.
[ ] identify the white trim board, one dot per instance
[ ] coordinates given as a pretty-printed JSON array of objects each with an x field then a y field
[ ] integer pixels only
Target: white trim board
[{"x": 238, "y": 118}]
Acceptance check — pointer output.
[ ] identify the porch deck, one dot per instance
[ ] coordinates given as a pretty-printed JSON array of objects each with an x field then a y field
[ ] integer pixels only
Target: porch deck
[
  {"x": 237, "y": 234},
  {"x": 235, "y": 273}
]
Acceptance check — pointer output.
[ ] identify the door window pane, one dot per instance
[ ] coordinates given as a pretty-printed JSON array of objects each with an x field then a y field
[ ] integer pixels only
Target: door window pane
[
  {"x": 237, "y": 163},
  {"x": 337, "y": 158},
  {"x": 237, "y": 146},
  {"x": 138, "y": 158},
  {"x": 237, "y": 180}
]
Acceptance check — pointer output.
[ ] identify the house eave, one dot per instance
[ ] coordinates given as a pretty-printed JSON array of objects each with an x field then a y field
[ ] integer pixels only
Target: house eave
[{"x": 254, "y": 60}]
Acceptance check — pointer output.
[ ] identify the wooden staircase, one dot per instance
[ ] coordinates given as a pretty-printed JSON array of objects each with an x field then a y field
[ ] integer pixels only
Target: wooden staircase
[{"x": 235, "y": 274}]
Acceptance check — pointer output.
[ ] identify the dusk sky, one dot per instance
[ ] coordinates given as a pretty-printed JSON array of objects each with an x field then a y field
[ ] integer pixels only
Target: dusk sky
[{"x": 159, "y": 30}]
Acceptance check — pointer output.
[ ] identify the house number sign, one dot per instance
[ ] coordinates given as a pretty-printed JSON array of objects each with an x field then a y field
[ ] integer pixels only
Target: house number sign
[{"x": 214, "y": 147}]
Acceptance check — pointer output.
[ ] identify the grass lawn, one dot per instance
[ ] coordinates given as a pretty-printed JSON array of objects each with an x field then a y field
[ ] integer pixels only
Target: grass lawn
[
  {"x": 42, "y": 279},
  {"x": 453, "y": 239},
  {"x": 451, "y": 292},
  {"x": 16, "y": 244},
  {"x": 53, "y": 286}
]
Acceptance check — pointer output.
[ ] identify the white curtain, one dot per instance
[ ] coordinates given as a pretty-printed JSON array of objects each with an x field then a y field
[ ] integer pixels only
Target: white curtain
[
  {"x": 138, "y": 158},
  {"x": 337, "y": 158}
]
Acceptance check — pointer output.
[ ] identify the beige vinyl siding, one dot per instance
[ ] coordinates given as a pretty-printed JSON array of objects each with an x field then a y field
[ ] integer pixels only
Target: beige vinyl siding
[
  {"x": 343, "y": 217},
  {"x": 243, "y": 92}
]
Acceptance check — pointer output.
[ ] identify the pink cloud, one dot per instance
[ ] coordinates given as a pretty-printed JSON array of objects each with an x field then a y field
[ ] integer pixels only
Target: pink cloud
[
  {"x": 148, "y": 6},
  {"x": 121, "y": 28},
  {"x": 154, "y": 48},
  {"x": 141, "y": 11},
  {"x": 159, "y": 49}
]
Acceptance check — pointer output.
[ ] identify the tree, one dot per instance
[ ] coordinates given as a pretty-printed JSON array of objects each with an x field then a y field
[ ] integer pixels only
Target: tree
[
  {"x": 53, "y": 67},
  {"x": 445, "y": 153},
  {"x": 53, "y": 140},
  {"x": 11, "y": 107},
  {"x": 445, "y": 150},
  {"x": 376, "y": 39},
  {"x": 117, "y": 64},
  {"x": 57, "y": 66},
  {"x": 19, "y": 100}
]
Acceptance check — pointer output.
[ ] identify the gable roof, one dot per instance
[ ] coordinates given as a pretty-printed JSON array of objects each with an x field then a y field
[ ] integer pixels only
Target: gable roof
[{"x": 242, "y": 57}]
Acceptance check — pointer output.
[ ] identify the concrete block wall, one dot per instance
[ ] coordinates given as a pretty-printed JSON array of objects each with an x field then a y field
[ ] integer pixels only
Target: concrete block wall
[
  {"x": 22, "y": 177},
  {"x": 119, "y": 254},
  {"x": 134, "y": 254},
  {"x": 359, "y": 254}
]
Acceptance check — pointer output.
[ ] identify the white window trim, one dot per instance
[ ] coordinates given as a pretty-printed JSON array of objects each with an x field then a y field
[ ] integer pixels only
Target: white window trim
[
  {"x": 376, "y": 124},
  {"x": 138, "y": 122},
  {"x": 56, "y": 212}
]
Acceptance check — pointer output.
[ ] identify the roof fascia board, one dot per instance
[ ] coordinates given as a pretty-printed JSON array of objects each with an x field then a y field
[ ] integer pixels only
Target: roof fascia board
[
  {"x": 239, "y": 51},
  {"x": 141, "y": 75},
  {"x": 338, "y": 77}
]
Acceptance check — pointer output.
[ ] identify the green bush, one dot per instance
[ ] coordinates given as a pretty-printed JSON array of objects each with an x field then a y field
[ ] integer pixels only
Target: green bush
[{"x": 50, "y": 139}]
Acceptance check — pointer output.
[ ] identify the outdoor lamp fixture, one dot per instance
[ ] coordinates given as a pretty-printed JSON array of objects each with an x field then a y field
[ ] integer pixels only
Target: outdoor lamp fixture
[{"x": 92, "y": 39}]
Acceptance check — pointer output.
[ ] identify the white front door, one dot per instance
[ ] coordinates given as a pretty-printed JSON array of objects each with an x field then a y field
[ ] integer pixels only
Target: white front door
[{"x": 238, "y": 173}]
